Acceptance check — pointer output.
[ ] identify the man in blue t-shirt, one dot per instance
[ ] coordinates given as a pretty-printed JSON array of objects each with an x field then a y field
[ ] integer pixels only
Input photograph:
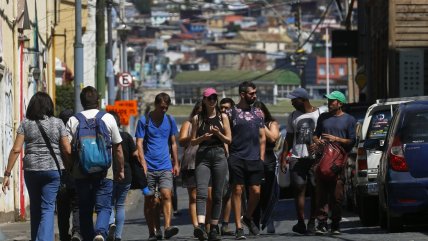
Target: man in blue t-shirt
[
  {"x": 332, "y": 126},
  {"x": 246, "y": 156},
  {"x": 156, "y": 145}
]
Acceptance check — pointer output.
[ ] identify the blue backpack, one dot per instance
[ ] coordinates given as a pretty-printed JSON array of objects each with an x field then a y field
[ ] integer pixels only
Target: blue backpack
[{"x": 93, "y": 144}]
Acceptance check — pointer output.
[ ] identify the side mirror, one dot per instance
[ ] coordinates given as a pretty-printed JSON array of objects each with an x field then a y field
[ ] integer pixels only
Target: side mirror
[{"x": 373, "y": 144}]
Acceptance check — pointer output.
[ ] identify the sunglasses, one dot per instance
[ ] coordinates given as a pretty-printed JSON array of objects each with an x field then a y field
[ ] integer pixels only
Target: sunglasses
[{"x": 212, "y": 97}]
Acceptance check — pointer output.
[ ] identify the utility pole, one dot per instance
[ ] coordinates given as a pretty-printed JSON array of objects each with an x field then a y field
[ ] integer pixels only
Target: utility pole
[
  {"x": 101, "y": 50},
  {"x": 327, "y": 61},
  {"x": 110, "y": 72},
  {"x": 78, "y": 57},
  {"x": 298, "y": 20}
]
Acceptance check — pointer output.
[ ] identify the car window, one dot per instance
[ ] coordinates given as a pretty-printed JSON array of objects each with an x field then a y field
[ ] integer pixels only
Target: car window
[
  {"x": 415, "y": 128},
  {"x": 379, "y": 125}
]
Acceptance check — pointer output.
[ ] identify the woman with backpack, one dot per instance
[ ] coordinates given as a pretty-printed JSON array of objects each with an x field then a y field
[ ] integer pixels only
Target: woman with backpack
[
  {"x": 188, "y": 161},
  {"x": 270, "y": 164},
  {"x": 43, "y": 162},
  {"x": 211, "y": 131}
]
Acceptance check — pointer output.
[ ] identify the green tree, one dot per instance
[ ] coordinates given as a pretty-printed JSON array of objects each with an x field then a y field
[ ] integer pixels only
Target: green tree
[
  {"x": 64, "y": 98},
  {"x": 143, "y": 6}
]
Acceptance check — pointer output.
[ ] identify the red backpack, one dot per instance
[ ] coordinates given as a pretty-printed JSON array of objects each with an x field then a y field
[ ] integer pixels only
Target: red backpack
[{"x": 332, "y": 161}]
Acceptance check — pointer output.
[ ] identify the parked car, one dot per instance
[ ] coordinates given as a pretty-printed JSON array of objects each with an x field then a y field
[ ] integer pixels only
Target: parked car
[
  {"x": 358, "y": 111},
  {"x": 362, "y": 186},
  {"x": 403, "y": 170}
]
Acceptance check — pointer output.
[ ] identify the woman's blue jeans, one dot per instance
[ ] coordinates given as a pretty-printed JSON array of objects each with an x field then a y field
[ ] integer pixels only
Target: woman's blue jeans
[
  {"x": 42, "y": 189},
  {"x": 120, "y": 191}
]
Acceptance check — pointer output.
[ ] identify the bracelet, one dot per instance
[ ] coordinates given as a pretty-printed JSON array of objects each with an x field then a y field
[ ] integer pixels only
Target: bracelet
[{"x": 6, "y": 174}]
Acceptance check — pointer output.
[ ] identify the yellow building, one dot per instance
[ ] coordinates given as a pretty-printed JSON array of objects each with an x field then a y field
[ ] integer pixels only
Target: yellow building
[{"x": 33, "y": 34}]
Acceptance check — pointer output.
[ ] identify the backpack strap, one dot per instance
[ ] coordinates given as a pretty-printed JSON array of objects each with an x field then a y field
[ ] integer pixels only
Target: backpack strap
[
  {"x": 81, "y": 119},
  {"x": 146, "y": 125},
  {"x": 170, "y": 123},
  {"x": 100, "y": 115}
]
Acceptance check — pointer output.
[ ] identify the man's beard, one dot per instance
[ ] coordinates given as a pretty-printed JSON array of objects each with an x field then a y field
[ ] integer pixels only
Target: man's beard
[{"x": 250, "y": 101}]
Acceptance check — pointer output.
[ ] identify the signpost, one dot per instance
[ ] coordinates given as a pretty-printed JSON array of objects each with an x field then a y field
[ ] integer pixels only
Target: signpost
[{"x": 125, "y": 79}]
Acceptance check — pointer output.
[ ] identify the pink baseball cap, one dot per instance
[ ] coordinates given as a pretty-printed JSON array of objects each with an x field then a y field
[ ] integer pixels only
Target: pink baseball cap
[{"x": 209, "y": 91}]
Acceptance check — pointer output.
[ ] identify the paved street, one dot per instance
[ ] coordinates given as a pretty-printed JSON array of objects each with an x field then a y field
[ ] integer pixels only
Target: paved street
[{"x": 136, "y": 230}]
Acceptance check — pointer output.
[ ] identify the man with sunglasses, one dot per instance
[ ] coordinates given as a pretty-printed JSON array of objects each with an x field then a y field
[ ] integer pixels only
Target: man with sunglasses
[
  {"x": 300, "y": 128},
  {"x": 246, "y": 156}
]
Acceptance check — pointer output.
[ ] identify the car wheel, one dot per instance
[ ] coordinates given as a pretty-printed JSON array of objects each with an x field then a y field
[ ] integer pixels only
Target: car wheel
[
  {"x": 368, "y": 211},
  {"x": 393, "y": 224}
]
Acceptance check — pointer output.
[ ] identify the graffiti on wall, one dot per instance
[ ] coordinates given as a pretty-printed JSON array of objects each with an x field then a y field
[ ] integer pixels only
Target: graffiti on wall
[{"x": 6, "y": 134}]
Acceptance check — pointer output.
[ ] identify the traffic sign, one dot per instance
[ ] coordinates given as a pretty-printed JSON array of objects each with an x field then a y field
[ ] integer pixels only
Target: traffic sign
[{"x": 125, "y": 79}]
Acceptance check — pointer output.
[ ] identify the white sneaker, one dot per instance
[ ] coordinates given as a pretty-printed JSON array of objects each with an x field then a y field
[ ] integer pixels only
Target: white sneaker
[{"x": 99, "y": 237}]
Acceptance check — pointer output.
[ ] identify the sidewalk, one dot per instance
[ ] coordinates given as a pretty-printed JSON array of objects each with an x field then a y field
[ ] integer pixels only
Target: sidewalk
[{"x": 20, "y": 231}]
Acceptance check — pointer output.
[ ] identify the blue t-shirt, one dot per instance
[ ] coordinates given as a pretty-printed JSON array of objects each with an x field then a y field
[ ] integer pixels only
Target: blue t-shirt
[
  {"x": 245, "y": 126},
  {"x": 342, "y": 126},
  {"x": 156, "y": 148}
]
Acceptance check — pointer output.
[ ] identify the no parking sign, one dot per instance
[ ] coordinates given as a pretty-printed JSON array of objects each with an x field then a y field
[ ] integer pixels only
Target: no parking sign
[{"x": 125, "y": 79}]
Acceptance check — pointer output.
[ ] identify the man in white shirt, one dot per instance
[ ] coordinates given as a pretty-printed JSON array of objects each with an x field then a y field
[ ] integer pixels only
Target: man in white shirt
[
  {"x": 300, "y": 127},
  {"x": 95, "y": 189}
]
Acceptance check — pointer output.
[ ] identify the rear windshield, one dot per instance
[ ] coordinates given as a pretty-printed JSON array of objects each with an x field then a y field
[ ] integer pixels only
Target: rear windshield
[
  {"x": 379, "y": 125},
  {"x": 415, "y": 128}
]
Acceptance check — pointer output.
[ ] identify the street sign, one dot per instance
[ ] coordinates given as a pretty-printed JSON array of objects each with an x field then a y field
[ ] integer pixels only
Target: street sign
[
  {"x": 130, "y": 105},
  {"x": 125, "y": 79},
  {"x": 121, "y": 111}
]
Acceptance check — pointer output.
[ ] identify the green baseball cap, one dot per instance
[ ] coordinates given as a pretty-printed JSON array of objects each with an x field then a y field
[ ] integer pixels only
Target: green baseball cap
[{"x": 336, "y": 95}]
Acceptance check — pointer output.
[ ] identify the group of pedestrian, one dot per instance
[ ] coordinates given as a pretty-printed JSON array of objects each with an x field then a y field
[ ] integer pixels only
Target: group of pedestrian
[
  {"x": 229, "y": 164},
  {"x": 308, "y": 131}
]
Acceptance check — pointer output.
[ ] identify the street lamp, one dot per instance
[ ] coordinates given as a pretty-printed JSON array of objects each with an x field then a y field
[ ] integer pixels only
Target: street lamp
[{"x": 25, "y": 40}]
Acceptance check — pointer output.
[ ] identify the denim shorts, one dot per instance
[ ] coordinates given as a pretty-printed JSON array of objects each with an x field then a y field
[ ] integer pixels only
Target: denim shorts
[{"x": 159, "y": 179}]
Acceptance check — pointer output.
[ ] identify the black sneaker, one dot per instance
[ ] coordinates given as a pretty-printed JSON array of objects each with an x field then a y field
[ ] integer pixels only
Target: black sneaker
[
  {"x": 225, "y": 231},
  {"x": 250, "y": 225},
  {"x": 335, "y": 229},
  {"x": 200, "y": 233},
  {"x": 239, "y": 234},
  {"x": 300, "y": 227},
  {"x": 214, "y": 234},
  {"x": 321, "y": 229},
  {"x": 76, "y": 237},
  {"x": 111, "y": 232},
  {"x": 152, "y": 237},
  {"x": 159, "y": 235},
  {"x": 310, "y": 228},
  {"x": 170, "y": 231}
]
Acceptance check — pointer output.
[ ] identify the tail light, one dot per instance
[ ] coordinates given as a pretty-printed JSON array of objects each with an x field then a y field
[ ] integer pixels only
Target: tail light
[
  {"x": 396, "y": 156},
  {"x": 362, "y": 159}
]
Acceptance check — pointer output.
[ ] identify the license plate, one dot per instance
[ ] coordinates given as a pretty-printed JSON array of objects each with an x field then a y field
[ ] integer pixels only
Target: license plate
[{"x": 372, "y": 188}]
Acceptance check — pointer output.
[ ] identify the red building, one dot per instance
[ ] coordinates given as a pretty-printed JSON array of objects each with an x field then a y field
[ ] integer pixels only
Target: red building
[{"x": 338, "y": 69}]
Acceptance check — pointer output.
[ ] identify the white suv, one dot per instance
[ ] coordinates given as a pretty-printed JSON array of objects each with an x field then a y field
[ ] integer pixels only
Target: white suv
[{"x": 364, "y": 180}]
